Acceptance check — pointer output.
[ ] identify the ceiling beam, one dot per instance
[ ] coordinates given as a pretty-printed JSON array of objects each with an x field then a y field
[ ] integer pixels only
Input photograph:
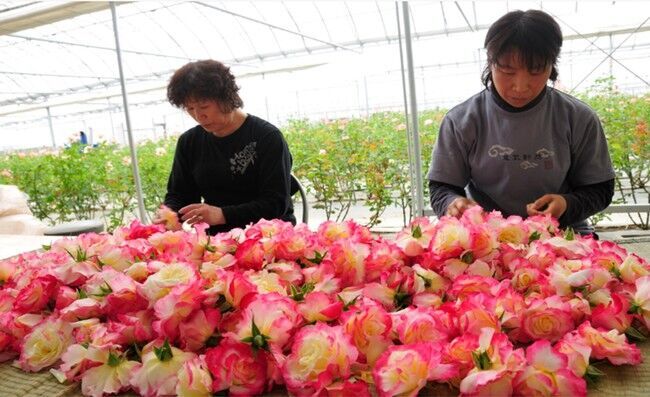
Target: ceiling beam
[{"x": 43, "y": 13}]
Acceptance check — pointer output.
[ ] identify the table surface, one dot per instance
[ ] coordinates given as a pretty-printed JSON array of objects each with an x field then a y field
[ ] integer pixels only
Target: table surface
[
  {"x": 619, "y": 381},
  {"x": 12, "y": 245}
]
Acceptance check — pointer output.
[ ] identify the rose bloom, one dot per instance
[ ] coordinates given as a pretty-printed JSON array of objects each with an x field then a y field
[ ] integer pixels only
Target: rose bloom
[
  {"x": 633, "y": 267},
  {"x": 415, "y": 325},
  {"x": 156, "y": 377},
  {"x": 275, "y": 316},
  {"x": 503, "y": 363},
  {"x": 177, "y": 306},
  {"x": 577, "y": 352},
  {"x": 547, "y": 374},
  {"x": 404, "y": 370},
  {"x": 250, "y": 255},
  {"x": 614, "y": 315},
  {"x": 34, "y": 297},
  {"x": 370, "y": 327},
  {"x": 236, "y": 367},
  {"x": 451, "y": 238},
  {"x": 76, "y": 360},
  {"x": 194, "y": 379},
  {"x": 160, "y": 283},
  {"x": 610, "y": 345},
  {"x": 319, "y": 355},
  {"x": 109, "y": 378},
  {"x": 348, "y": 258},
  {"x": 641, "y": 299},
  {"x": 198, "y": 328},
  {"x": 544, "y": 319},
  {"x": 45, "y": 344},
  {"x": 319, "y": 306}
]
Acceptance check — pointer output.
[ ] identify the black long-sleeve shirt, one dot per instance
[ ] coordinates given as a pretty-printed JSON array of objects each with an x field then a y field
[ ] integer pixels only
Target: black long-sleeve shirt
[{"x": 247, "y": 173}]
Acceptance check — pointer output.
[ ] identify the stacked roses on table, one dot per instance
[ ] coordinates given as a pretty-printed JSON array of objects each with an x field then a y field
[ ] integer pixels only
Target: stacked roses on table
[{"x": 486, "y": 304}]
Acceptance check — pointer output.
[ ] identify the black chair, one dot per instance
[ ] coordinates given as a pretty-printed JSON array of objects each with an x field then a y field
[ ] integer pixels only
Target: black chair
[{"x": 296, "y": 187}]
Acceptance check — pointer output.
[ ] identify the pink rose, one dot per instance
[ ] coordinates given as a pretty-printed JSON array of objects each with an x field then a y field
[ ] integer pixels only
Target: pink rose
[
  {"x": 547, "y": 374},
  {"x": 319, "y": 306},
  {"x": 237, "y": 367},
  {"x": 35, "y": 296},
  {"x": 546, "y": 321},
  {"x": 611, "y": 345},
  {"x": 614, "y": 315},
  {"x": 320, "y": 354},
  {"x": 404, "y": 370},
  {"x": 250, "y": 255}
]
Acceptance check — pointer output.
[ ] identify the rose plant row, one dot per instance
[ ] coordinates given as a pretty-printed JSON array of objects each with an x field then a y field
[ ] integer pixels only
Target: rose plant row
[{"x": 487, "y": 304}]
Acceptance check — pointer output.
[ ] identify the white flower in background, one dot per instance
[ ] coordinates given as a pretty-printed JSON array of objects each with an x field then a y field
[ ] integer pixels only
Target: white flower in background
[
  {"x": 6, "y": 173},
  {"x": 401, "y": 127},
  {"x": 428, "y": 122},
  {"x": 126, "y": 160},
  {"x": 88, "y": 149},
  {"x": 161, "y": 151},
  {"x": 109, "y": 166},
  {"x": 322, "y": 152}
]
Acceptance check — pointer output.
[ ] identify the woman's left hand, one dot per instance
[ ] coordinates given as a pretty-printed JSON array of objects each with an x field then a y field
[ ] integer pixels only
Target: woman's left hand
[
  {"x": 553, "y": 204},
  {"x": 197, "y": 213}
]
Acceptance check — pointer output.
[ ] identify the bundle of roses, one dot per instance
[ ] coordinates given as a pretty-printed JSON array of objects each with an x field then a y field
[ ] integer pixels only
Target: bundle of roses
[{"x": 486, "y": 304}]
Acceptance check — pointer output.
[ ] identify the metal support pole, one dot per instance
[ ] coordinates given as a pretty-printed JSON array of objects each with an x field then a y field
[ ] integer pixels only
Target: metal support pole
[
  {"x": 409, "y": 144},
  {"x": 49, "y": 121},
  {"x": 419, "y": 202},
  {"x": 134, "y": 157}
]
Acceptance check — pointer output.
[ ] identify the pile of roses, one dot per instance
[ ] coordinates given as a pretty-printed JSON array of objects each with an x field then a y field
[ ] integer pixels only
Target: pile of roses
[{"x": 486, "y": 304}]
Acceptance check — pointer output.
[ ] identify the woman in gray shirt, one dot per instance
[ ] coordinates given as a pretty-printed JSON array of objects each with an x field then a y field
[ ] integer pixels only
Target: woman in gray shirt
[{"x": 520, "y": 146}]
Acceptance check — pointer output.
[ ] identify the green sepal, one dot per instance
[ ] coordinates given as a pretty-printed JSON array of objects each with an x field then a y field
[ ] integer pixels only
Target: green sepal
[
  {"x": 164, "y": 353},
  {"x": 416, "y": 232},
  {"x": 481, "y": 360},
  {"x": 534, "y": 236},
  {"x": 569, "y": 234}
]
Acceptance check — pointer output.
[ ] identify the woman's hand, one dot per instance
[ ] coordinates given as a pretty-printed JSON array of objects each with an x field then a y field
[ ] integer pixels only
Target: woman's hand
[
  {"x": 458, "y": 206},
  {"x": 196, "y": 213},
  {"x": 553, "y": 204}
]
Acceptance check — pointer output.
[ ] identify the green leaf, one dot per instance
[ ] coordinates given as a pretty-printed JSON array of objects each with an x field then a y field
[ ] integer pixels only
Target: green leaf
[
  {"x": 46, "y": 247},
  {"x": 164, "y": 353}
]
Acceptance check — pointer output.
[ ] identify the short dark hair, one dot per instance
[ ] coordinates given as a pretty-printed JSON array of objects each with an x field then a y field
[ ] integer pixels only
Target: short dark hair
[
  {"x": 533, "y": 34},
  {"x": 206, "y": 79}
]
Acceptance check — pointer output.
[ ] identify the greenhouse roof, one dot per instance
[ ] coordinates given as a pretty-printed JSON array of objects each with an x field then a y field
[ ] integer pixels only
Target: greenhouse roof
[{"x": 58, "y": 53}]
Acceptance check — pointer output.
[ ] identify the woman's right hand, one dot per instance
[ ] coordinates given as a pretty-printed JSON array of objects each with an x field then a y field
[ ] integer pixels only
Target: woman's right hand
[{"x": 458, "y": 206}]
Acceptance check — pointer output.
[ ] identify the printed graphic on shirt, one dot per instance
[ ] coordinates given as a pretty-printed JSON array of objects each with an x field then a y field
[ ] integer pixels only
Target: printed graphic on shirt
[
  {"x": 241, "y": 160},
  {"x": 527, "y": 160}
]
